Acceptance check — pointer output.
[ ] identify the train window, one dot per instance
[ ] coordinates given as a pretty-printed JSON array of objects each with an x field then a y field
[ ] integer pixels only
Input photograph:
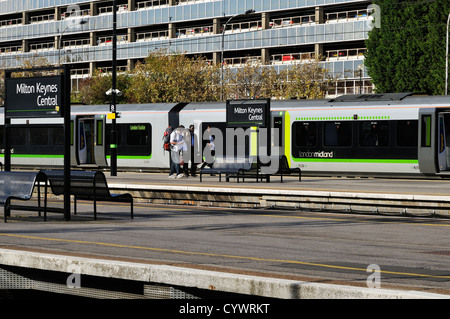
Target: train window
[
  {"x": 426, "y": 131},
  {"x": 374, "y": 133},
  {"x": 138, "y": 134},
  {"x": 407, "y": 133},
  {"x": 338, "y": 134},
  {"x": 38, "y": 136},
  {"x": 17, "y": 136},
  {"x": 305, "y": 133},
  {"x": 133, "y": 139},
  {"x": 58, "y": 136}
]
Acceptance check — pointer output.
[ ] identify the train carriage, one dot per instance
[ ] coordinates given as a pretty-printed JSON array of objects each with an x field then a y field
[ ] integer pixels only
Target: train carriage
[{"x": 377, "y": 134}]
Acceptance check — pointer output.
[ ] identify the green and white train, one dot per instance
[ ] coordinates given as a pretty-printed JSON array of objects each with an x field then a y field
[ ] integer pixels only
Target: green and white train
[{"x": 355, "y": 135}]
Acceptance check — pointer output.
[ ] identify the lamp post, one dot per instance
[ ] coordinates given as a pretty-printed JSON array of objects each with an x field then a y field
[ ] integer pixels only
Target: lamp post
[
  {"x": 360, "y": 70},
  {"x": 60, "y": 39},
  {"x": 223, "y": 42},
  {"x": 113, "y": 144},
  {"x": 446, "y": 57}
]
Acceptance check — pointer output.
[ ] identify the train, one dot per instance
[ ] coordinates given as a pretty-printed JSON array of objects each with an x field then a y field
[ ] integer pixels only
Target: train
[{"x": 393, "y": 134}]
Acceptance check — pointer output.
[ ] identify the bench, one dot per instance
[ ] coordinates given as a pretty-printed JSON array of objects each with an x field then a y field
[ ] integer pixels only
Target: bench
[
  {"x": 20, "y": 185},
  {"x": 86, "y": 185},
  {"x": 229, "y": 166},
  {"x": 282, "y": 168}
]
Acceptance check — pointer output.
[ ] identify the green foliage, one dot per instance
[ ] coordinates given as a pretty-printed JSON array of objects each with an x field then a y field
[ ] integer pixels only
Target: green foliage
[
  {"x": 407, "y": 53},
  {"x": 93, "y": 90},
  {"x": 172, "y": 78}
]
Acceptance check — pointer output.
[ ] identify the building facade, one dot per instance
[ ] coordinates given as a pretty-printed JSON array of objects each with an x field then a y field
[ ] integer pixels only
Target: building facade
[{"x": 276, "y": 33}]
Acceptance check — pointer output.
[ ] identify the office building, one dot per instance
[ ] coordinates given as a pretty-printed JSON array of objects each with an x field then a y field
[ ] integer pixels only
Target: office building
[{"x": 278, "y": 33}]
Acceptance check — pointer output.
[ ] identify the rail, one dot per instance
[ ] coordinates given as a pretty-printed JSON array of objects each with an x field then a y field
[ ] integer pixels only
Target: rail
[
  {"x": 42, "y": 18},
  {"x": 42, "y": 46},
  {"x": 151, "y": 4},
  {"x": 76, "y": 43},
  {"x": 346, "y": 15},
  {"x": 109, "y": 9},
  {"x": 10, "y": 22},
  {"x": 11, "y": 50},
  {"x": 345, "y": 54},
  {"x": 150, "y": 36},
  {"x": 292, "y": 21},
  {"x": 67, "y": 15},
  {"x": 195, "y": 31},
  {"x": 109, "y": 39}
]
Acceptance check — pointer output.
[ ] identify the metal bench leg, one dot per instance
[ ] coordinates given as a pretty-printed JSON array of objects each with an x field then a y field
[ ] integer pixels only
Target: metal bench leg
[
  {"x": 95, "y": 207},
  {"x": 7, "y": 209},
  {"x": 132, "y": 212},
  {"x": 39, "y": 199}
]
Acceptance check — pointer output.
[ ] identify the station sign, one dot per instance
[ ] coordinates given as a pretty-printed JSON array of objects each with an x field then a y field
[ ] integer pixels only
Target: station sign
[
  {"x": 248, "y": 113},
  {"x": 34, "y": 97}
]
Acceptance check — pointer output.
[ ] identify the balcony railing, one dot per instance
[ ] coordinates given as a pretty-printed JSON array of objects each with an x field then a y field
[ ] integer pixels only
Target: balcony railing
[
  {"x": 67, "y": 15},
  {"x": 10, "y": 22},
  {"x": 291, "y": 57},
  {"x": 42, "y": 46},
  {"x": 11, "y": 50},
  {"x": 109, "y": 39},
  {"x": 292, "y": 21},
  {"x": 151, "y": 4},
  {"x": 42, "y": 18},
  {"x": 346, "y": 16},
  {"x": 196, "y": 31},
  {"x": 154, "y": 35},
  {"x": 346, "y": 54},
  {"x": 109, "y": 9}
]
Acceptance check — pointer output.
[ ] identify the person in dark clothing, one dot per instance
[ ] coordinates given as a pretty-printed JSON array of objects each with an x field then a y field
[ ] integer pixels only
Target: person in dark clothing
[{"x": 193, "y": 141}]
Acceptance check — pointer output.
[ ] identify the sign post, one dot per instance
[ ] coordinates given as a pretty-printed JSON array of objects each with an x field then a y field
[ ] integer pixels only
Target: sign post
[{"x": 40, "y": 97}]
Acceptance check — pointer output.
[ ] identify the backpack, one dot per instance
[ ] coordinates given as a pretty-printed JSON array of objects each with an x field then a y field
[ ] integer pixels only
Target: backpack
[{"x": 166, "y": 138}]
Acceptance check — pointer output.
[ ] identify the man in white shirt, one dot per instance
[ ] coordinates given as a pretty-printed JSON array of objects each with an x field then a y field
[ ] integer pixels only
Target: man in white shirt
[{"x": 176, "y": 143}]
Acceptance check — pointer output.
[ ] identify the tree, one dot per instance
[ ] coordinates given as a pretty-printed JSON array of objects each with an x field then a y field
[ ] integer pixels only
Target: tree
[
  {"x": 93, "y": 90},
  {"x": 308, "y": 80},
  {"x": 164, "y": 77},
  {"x": 34, "y": 61},
  {"x": 407, "y": 52},
  {"x": 173, "y": 78}
]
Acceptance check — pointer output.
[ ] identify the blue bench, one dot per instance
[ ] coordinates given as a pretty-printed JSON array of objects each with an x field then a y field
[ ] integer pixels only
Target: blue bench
[
  {"x": 281, "y": 168},
  {"x": 20, "y": 185},
  {"x": 230, "y": 167},
  {"x": 87, "y": 185}
]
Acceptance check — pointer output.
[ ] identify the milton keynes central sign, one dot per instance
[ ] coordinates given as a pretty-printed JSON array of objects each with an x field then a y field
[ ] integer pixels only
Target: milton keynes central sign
[{"x": 34, "y": 97}]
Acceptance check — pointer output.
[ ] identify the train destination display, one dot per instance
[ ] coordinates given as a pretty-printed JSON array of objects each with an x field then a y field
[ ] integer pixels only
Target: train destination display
[{"x": 34, "y": 97}]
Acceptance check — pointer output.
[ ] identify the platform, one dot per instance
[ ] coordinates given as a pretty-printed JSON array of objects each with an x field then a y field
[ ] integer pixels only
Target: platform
[{"x": 362, "y": 195}]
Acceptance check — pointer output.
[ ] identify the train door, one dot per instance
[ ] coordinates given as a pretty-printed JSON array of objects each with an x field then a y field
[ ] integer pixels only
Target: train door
[
  {"x": 278, "y": 132},
  {"x": 434, "y": 141},
  {"x": 89, "y": 137}
]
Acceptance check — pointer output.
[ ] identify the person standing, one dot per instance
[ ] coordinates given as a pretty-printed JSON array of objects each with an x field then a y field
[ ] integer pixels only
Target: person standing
[
  {"x": 209, "y": 156},
  {"x": 191, "y": 140},
  {"x": 176, "y": 140}
]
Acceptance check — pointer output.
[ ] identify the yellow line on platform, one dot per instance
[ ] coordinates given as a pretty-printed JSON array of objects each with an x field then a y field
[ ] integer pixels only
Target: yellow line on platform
[{"x": 218, "y": 255}]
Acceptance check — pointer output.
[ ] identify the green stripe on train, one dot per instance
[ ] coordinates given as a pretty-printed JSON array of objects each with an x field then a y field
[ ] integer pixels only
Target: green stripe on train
[
  {"x": 62, "y": 156},
  {"x": 350, "y": 160}
]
